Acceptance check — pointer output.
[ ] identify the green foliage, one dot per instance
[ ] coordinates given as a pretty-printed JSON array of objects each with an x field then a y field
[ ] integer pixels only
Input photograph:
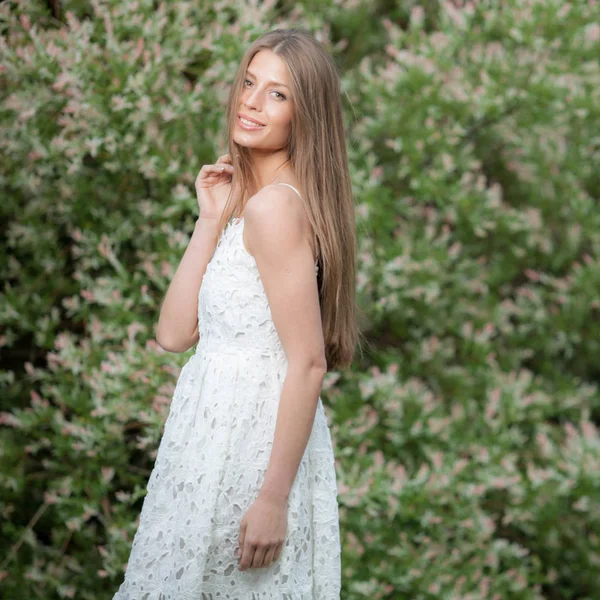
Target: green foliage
[{"x": 467, "y": 438}]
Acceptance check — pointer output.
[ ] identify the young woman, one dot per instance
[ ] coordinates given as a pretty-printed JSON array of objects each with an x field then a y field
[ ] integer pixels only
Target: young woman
[{"x": 242, "y": 501}]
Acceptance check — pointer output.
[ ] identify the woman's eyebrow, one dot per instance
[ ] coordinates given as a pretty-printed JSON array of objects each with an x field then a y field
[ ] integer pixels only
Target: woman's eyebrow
[{"x": 272, "y": 81}]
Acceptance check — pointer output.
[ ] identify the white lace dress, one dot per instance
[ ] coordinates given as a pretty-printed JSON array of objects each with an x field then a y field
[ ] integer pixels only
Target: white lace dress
[{"x": 214, "y": 453}]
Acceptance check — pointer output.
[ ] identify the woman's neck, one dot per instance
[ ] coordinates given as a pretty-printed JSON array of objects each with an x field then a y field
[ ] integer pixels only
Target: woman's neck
[{"x": 269, "y": 166}]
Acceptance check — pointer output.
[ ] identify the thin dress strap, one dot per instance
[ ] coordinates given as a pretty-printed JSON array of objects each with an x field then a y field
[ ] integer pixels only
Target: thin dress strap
[{"x": 315, "y": 236}]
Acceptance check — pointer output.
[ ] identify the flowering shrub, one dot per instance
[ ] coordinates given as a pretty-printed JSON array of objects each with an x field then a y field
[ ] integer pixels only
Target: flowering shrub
[{"x": 466, "y": 434}]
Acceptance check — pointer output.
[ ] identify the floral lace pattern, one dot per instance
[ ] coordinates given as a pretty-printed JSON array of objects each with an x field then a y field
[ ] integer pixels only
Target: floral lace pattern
[{"x": 213, "y": 455}]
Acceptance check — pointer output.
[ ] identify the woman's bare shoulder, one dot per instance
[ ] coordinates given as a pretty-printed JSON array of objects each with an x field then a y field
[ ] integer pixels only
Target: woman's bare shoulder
[{"x": 275, "y": 197}]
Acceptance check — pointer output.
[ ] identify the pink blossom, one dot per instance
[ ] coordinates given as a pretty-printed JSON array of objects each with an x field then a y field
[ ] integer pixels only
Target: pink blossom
[
  {"x": 7, "y": 418},
  {"x": 590, "y": 432},
  {"x": 25, "y": 21},
  {"x": 107, "y": 473}
]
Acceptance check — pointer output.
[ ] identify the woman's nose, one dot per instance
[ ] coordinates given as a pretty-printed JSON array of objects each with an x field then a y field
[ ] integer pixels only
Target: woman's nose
[{"x": 253, "y": 99}]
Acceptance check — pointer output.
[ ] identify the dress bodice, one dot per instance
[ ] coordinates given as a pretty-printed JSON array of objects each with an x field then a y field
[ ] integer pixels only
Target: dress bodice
[{"x": 233, "y": 310}]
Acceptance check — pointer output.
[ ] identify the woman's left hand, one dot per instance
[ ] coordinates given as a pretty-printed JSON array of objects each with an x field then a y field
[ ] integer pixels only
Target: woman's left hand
[{"x": 262, "y": 533}]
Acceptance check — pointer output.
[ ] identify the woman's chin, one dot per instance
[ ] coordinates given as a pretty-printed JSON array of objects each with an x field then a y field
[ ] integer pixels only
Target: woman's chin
[
  {"x": 262, "y": 146},
  {"x": 240, "y": 138}
]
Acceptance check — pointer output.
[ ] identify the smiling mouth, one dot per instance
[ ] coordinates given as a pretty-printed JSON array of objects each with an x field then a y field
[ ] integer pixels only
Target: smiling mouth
[{"x": 249, "y": 124}]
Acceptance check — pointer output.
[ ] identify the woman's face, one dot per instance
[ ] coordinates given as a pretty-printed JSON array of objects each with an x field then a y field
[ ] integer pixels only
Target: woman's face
[{"x": 265, "y": 98}]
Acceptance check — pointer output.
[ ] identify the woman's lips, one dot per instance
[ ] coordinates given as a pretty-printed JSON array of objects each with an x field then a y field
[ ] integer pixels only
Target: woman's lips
[{"x": 249, "y": 127}]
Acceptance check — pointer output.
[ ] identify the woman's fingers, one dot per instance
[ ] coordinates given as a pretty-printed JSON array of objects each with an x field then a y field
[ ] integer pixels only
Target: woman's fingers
[
  {"x": 258, "y": 559},
  {"x": 223, "y": 165},
  {"x": 224, "y": 158},
  {"x": 269, "y": 558},
  {"x": 214, "y": 170}
]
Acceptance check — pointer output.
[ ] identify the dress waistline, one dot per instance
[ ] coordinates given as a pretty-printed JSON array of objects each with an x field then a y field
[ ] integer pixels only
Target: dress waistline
[{"x": 232, "y": 351}]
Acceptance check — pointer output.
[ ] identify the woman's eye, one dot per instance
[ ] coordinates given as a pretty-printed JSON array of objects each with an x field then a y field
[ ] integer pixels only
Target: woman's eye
[{"x": 280, "y": 96}]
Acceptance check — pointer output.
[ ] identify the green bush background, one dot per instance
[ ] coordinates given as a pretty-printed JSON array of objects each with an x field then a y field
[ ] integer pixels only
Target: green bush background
[{"x": 466, "y": 435}]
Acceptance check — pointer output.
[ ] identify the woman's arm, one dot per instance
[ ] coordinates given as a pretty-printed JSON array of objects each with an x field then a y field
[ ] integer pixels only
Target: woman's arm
[
  {"x": 278, "y": 238},
  {"x": 177, "y": 328}
]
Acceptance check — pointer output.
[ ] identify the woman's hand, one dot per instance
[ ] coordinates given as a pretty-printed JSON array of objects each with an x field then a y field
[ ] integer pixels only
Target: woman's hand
[
  {"x": 262, "y": 533},
  {"x": 213, "y": 185}
]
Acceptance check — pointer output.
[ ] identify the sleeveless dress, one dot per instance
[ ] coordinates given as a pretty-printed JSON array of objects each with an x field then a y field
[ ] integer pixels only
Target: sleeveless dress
[{"x": 214, "y": 452}]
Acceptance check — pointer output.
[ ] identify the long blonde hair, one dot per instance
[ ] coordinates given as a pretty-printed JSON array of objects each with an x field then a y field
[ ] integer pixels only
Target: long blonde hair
[{"x": 318, "y": 157}]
